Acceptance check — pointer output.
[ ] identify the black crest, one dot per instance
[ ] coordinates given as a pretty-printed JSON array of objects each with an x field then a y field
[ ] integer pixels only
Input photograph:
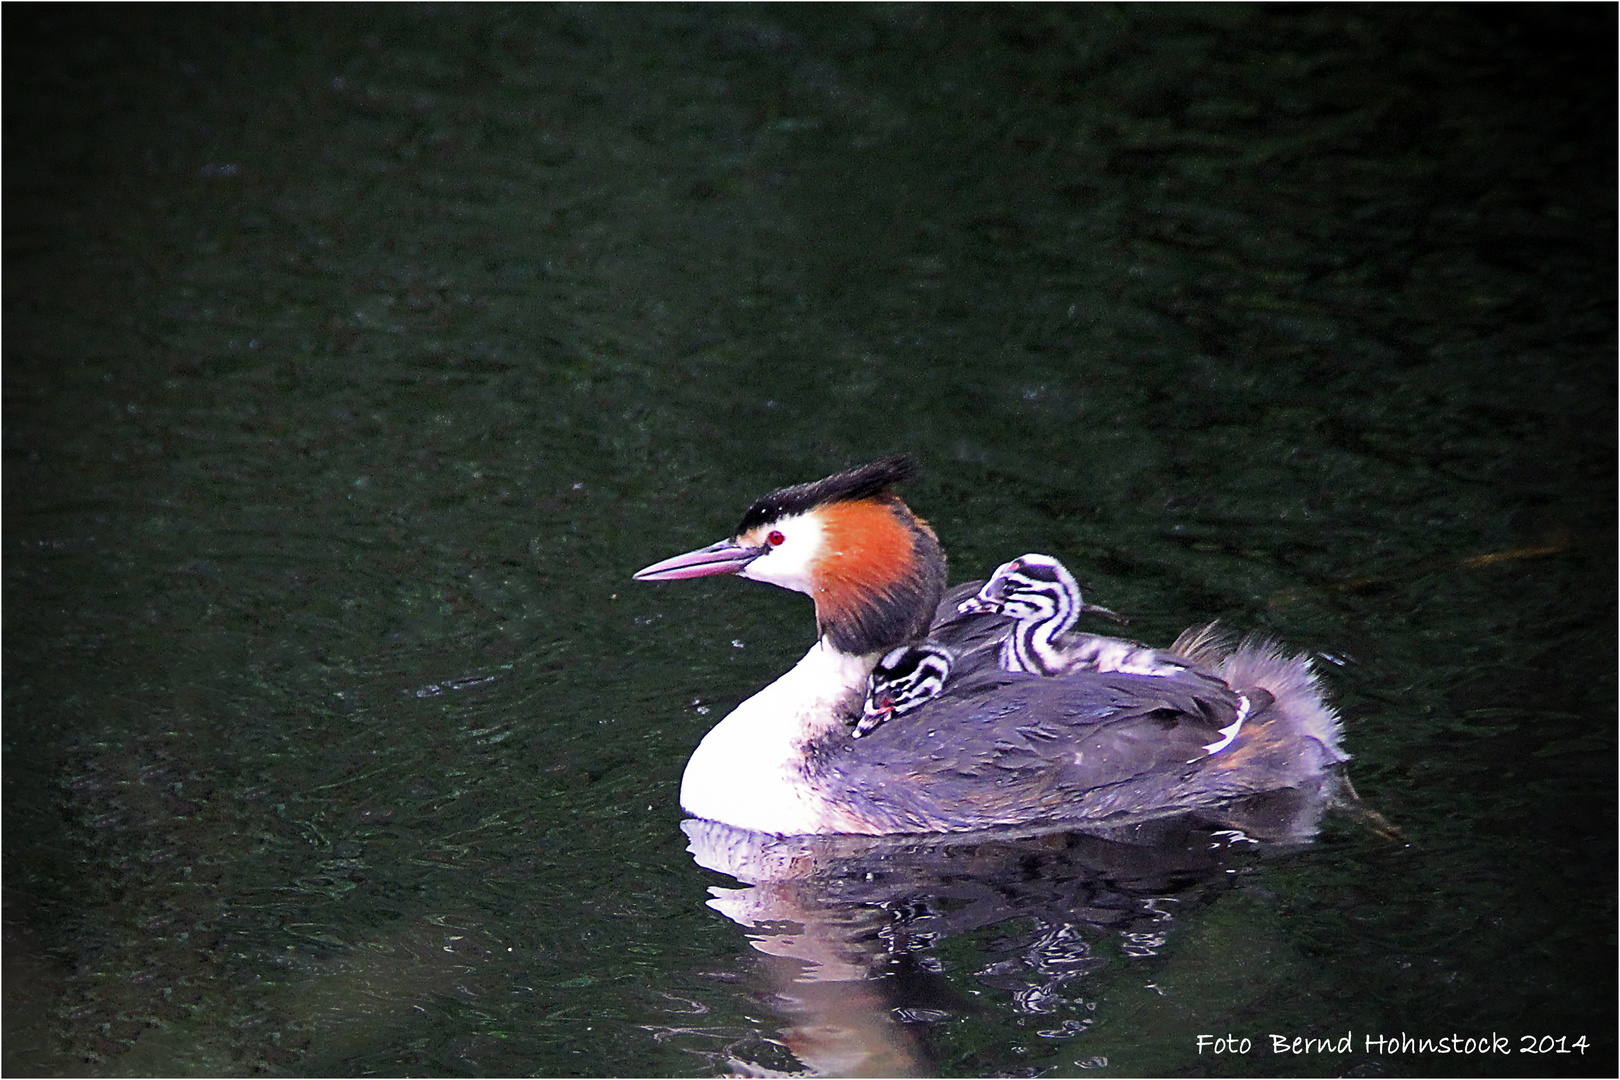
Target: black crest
[{"x": 862, "y": 482}]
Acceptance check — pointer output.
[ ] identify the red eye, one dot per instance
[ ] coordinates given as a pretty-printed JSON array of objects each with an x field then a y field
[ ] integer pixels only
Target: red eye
[{"x": 775, "y": 538}]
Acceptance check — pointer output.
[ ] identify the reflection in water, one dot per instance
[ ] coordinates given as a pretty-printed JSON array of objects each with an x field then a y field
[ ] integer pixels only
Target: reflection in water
[
  {"x": 850, "y": 928},
  {"x": 1298, "y": 316}
]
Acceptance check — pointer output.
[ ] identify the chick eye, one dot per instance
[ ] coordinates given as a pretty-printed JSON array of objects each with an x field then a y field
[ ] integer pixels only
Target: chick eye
[{"x": 775, "y": 538}]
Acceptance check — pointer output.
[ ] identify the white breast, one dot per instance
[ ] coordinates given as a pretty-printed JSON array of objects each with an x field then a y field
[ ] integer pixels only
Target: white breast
[{"x": 748, "y": 770}]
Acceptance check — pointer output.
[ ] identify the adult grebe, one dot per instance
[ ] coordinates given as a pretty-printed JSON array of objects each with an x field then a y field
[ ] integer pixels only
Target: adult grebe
[{"x": 994, "y": 747}]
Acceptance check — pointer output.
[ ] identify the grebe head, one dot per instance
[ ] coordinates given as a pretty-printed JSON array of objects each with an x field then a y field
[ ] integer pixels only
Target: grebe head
[
  {"x": 875, "y": 569},
  {"x": 1031, "y": 588},
  {"x": 904, "y": 679}
]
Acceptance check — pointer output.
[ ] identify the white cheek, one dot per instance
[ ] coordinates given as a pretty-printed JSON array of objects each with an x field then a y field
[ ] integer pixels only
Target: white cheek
[{"x": 788, "y": 564}]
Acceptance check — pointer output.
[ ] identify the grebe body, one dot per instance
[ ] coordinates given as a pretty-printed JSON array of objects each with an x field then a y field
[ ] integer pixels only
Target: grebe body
[{"x": 981, "y": 746}]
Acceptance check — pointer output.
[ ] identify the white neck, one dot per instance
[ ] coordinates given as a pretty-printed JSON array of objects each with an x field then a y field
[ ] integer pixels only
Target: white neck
[{"x": 749, "y": 769}]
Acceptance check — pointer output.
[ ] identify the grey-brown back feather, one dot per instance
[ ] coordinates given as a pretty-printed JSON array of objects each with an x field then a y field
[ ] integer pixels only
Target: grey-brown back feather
[
  {"x": 1000, "y": 747},
  {"x": 997, "y": 745}
]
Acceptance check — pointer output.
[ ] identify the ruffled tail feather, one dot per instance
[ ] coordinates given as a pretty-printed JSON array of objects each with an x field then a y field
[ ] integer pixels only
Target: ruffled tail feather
[{"x": 1301, "y": 704}]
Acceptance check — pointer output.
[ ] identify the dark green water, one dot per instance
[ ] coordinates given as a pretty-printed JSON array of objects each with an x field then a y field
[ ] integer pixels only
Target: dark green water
[{"x": 355, "y": 357}]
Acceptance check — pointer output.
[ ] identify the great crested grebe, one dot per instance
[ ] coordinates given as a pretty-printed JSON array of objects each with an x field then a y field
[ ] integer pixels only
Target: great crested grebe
[
  {"x": 992, "y": 747},
  {"x": 1043, "y": 599},
  {"x": 903, "y": 680},
  {"x": 1042, "y": 596}
]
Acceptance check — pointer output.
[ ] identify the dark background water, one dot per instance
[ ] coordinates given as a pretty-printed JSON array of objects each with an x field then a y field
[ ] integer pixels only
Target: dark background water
[{"x": 354, "y": 357}]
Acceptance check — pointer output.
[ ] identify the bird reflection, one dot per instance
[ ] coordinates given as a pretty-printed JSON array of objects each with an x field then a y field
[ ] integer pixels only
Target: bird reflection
[{"x": 849, "y": 928}]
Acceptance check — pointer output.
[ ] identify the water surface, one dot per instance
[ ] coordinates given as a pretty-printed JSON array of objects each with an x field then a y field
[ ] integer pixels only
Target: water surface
[{"x": 356, "y": 357}]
